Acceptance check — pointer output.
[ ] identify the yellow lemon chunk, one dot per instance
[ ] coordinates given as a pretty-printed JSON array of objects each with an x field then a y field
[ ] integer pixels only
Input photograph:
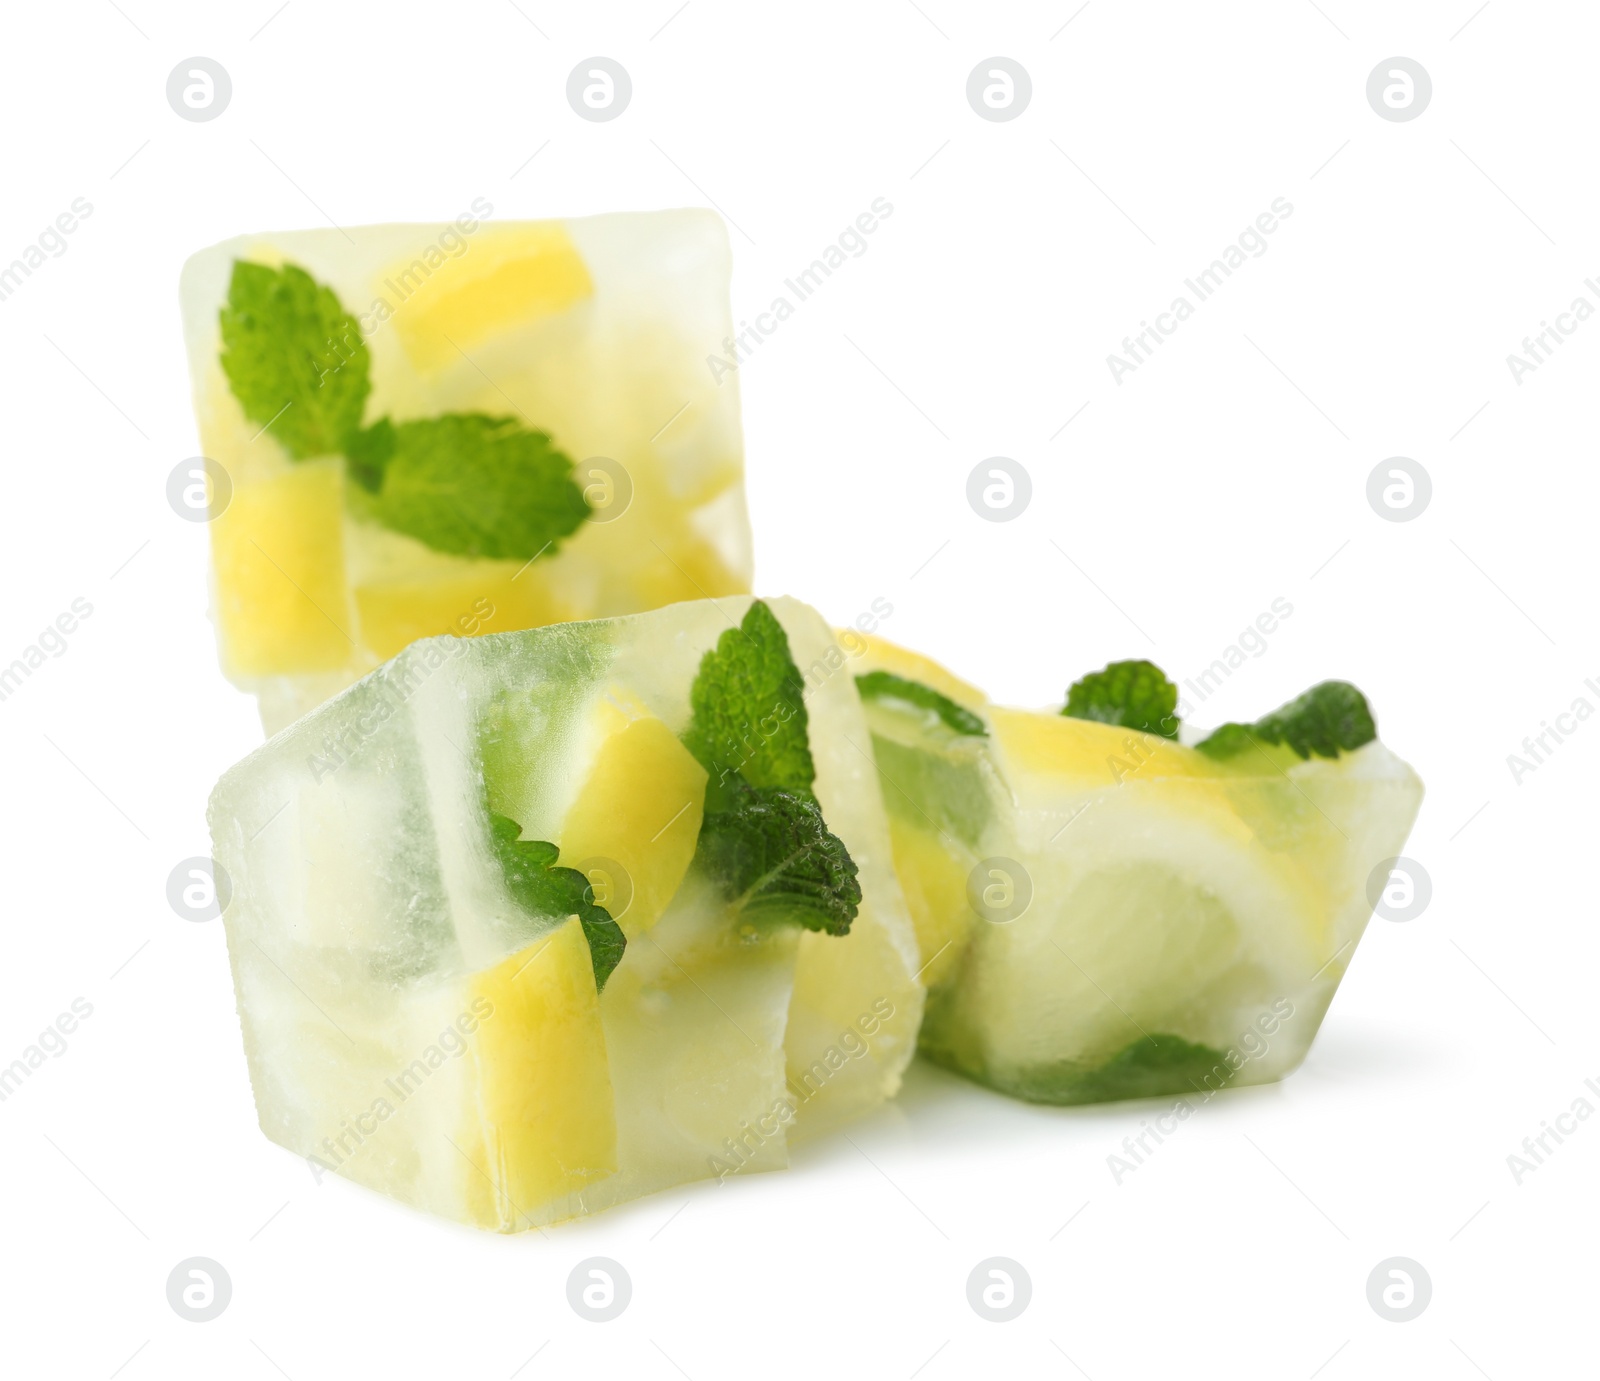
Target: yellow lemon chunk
[
  {"x": 545, "y": 1107},
  {"x": 933, "y": 875},
  {"x": 504, "y": 278},
  {"x": 687, "y": 570},
  {"x": 277, "y": 553},
  {"x": 1100, "y": 754},
  {"x": 491, "y": 597},
  {"x": 639, "y": 812}
]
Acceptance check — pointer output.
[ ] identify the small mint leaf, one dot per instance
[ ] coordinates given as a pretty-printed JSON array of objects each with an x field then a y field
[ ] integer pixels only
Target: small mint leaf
[
  {"x": 885, "y": 685},
  {"x": 544, "y": 890},
  {"x": 1329, "y": 719},
  {"x": 749, "y": 714},
  {"x": 1132, "y": 695},
  {"x": 294, "y": 358},
  {"x": 367, "y": 454},
  {"x": 472, "y": 485},
  {"x": 776, "y": 860}
]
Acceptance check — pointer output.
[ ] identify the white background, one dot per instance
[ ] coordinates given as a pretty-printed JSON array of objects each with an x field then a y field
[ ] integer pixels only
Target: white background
[{"x": 1170, "y": 512}]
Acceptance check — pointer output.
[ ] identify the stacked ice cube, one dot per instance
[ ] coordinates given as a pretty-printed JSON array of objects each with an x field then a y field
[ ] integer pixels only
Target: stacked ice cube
[{"x": 593, "y": 332}]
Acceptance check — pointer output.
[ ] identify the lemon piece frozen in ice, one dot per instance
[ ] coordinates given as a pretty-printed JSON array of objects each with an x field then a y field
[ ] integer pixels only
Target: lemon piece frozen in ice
[
  {"x": 1153, "y": 913},
  {"x": 547, "y": 1119},
  {"x": 639, "y": 809},
  {"x": 933, "y": 874},
  {"x": 503, "y": 278},
  {"x": 484, "y": 597},
  {"x": 1083, "y": 750},
  {"x": 277, "y": 554}
]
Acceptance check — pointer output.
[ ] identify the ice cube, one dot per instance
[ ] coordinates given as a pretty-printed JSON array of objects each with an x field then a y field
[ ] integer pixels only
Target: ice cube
[
  {"x": 593, "y": 331},
  {"x": 1104, "y": 913},
  {"x": 420, "y": 1018}
]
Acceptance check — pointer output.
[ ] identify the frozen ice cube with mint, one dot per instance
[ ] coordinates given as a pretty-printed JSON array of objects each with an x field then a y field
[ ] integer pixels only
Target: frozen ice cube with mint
[
  {"x": 469, "y": 427},
  {"x": 530, "y": 924},
  {"x": 1106, "y": 912}
]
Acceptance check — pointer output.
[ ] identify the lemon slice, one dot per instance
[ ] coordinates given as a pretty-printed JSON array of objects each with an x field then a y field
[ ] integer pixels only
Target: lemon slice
[
  {"x": 483, "y": 597},
  {"x": 503, "y": 278},
  {"x": 636, "y": 819},
  {"x": 937, "y": 788},
  {"x": 1081, "y": 751},
  {"x": 933, "y": 874},
  {"x": 546, "y": 1121},
  {"x": 277, "y": 554},
  {"x": 1150, "y": 915}
]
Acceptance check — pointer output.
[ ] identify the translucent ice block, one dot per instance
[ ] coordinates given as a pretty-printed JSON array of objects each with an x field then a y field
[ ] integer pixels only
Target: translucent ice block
[
  {"x": 327, "y": 366},
  {"x": 1105, "y": 913},
  {"x": 432, "y": 1004}
]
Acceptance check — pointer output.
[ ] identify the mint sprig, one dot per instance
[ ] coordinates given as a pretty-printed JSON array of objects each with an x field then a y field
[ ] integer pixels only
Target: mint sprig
[
  {"x": 749, "y": 708},
  {"x": 777, "y": 861},
  {"x": 763, "y": 839},
  {"x": 1329, "y": 719},
  {"x": 542, "y": 889},
  {"x": 1132, "y": 695},
  {"x": 469, "y": 484}
]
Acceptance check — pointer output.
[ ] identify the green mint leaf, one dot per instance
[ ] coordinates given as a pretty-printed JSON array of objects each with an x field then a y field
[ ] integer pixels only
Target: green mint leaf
[
  {"x": 470, "y": 484},
  {"x": 294, "y": 358},
  {"x": 540, "y": 888},
  {"x": 1329, "y": 719},
  {"x": 763, "y": 838},
  {"x": 749, "y": 709},
  {"x": 1134, "y": 695},
  {"x": 776, "y": 861},
  {"x": 367, "y": 453},
  {"x": 605, "y": 937},
  {"x": 1153, "y": 1066},
  {"x": 885, "y": 685}
]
